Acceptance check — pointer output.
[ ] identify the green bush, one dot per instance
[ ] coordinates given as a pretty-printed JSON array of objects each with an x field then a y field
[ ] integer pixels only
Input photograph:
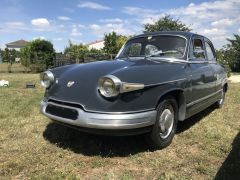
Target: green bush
[{"x": 38, "y": 55}]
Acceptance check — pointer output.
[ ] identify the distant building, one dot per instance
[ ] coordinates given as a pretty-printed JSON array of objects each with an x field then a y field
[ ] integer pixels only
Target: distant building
[
  {"x": 96, "y": 44},
  {"x": 17, "y": 44}
]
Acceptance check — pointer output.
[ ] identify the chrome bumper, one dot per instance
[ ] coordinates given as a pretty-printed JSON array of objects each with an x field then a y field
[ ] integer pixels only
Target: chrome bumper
[{"x": 103, "y": 121}]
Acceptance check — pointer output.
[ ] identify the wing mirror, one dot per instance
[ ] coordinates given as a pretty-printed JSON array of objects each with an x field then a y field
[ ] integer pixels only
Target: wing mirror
[{"x": 198, "y": 53}]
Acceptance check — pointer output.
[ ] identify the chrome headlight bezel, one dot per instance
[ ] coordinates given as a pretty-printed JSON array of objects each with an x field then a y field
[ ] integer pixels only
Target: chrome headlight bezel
[
  {"x": 47, "y": 79},
  {"x": 116, "y": 83}
]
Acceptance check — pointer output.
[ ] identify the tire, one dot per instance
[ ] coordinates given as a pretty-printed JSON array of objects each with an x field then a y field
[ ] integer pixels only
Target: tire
[
  {"x": 220, "y": 102},
  {"x": 159, "y": 138}
]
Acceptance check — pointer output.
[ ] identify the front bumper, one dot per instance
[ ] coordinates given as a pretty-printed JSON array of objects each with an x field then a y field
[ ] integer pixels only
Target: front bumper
[{"x": 113, "y": 121}]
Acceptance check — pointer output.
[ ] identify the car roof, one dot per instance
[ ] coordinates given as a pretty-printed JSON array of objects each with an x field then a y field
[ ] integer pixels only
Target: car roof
[{"x": 180, "y": 33}]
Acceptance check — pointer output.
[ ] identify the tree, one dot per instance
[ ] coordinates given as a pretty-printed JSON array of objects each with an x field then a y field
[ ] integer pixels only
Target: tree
[
  {"x": 76, "y": 52},
  {"x": 232, "y": 53},
  {"x": 113, "y": 42},
  {"x": 166, "y": 23},
  {"x": 9, "y": 56},
  {"x": 38, "y": 55}
]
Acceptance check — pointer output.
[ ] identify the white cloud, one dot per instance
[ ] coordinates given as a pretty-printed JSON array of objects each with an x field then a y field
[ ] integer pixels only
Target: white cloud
[
  {"x": 94, "y": 27},
  {"x": 114, "y": 20},
  {"x": 15, "y": 23},
  {"x": 40, "y": 37},
  {"x": 64, "y": 18},
  {"x": 57, "y": 39},
  {"x": 13, "y": 27},
  {"x": 75, "y": 32},
  {"x": 222, "y": 22},
  {"x": 214, "y": 31},
  {"x": 40, "y": 22},
  {"x": 81, "y": 26},
  {"x": 93, "y": 5},
  {"x": 119, "y": 28},
  {"x": 239, "y": 30},
  {"x": 139, "y": 11}
]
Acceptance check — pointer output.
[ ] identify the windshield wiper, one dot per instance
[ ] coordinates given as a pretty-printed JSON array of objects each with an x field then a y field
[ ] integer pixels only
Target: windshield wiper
[{"x": 161, "y": 52}]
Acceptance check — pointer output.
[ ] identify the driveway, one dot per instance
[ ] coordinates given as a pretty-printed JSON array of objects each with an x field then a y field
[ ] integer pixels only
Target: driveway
[{"x": 234, "y": 78}]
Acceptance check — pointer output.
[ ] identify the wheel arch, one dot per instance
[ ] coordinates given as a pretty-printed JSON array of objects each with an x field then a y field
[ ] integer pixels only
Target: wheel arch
[{"x": 179, "y": 96}]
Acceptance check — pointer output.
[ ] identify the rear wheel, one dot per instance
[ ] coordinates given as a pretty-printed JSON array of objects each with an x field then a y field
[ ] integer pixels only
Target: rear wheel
[{"x": 166, "y": 122}]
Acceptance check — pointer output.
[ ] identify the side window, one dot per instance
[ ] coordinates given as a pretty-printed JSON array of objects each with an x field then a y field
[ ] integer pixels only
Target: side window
[
  {"x": 134, "y": 49},
  {"x": 150, "y": 49},
  {"x": 209, "y": 51},
  {"x": 198, "y": 49}
]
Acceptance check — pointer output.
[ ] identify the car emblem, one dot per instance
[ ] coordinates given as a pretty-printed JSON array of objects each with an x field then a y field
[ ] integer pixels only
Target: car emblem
[{"x": 70, "y": 83}]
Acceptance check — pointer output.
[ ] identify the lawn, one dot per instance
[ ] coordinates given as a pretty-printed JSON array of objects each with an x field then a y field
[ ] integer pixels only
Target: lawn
[
  {"x": 206, "y": 146},
  {"x": 15, "y": 68}
]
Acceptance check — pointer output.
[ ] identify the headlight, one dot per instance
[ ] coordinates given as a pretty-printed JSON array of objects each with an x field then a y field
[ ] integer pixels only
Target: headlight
[
  {"x": 109, "y": 86},
  {"x": 47, "y": 78}
]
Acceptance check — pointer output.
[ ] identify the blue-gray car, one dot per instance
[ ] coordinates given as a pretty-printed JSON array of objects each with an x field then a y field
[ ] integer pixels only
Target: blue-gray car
[{"x": 156, "y": 80}]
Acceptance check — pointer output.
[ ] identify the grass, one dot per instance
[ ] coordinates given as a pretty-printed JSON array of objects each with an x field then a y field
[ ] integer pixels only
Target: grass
[
  {"x": 15, "y": 68},
  {"x": 206, "y": 146}
]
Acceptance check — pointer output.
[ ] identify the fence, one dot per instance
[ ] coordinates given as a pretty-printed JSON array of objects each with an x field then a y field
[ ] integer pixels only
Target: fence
[{"x": 63, "y": 59}]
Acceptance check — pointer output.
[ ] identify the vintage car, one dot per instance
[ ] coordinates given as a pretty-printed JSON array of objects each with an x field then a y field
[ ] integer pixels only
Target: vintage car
[{"x": 156, "y": 80}]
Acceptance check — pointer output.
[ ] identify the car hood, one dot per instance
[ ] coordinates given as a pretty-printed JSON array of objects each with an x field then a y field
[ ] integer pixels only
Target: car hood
[{"x": 85, "y": 76}]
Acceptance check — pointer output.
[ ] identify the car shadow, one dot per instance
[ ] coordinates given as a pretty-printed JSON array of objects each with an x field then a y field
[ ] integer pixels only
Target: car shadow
[
  {"x": 106, "y": 146},
  {"x": 188, "y": 123},
  {"x": 230, "y": 168},
  {"x": 94, "y": 145}
]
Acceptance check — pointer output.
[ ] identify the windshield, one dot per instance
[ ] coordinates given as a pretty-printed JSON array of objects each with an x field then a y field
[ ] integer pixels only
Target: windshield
[{"x": 169, "y": 46}]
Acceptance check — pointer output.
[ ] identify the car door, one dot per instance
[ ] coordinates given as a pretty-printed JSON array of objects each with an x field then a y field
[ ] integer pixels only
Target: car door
[
  {"x": 202, "y": 75},
  {"x": 217, "y": 69}
]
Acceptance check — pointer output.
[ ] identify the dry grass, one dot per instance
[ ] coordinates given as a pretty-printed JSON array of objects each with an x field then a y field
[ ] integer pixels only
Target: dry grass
[
  {"x": 15, "y": 68},
  {"x": 206, "y": 146}
]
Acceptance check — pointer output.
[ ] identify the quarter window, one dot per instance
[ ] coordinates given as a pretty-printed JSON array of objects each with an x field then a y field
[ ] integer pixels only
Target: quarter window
[
  {"x": 134, "y": 49},
  {"x": 209, "y": 51},
  {"x": 198, "y": 49}
]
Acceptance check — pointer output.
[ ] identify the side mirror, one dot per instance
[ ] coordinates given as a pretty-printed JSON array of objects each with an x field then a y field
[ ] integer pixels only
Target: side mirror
[{"x": 199, "y": 53}]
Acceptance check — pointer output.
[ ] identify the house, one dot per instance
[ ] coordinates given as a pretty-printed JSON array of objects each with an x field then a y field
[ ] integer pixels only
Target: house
[
  {"x": 99, "y": 44},
  {"x": 17, "y": 44}
]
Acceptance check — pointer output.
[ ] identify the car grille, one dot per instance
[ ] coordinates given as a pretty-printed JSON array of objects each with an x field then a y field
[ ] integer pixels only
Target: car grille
[{"x": 63, "y": 112}]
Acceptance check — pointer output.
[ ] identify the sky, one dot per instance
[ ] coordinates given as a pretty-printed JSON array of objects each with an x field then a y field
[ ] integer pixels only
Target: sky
[{"x": 85, "y": 21}]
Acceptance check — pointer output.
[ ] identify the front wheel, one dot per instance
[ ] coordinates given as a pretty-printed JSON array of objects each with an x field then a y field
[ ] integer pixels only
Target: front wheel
[{"x": 166, "y": 123}]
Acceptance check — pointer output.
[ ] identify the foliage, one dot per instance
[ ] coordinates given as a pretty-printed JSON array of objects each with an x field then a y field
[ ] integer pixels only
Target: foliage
[
  {"x": 166, "y": 23},
  {"x": 113, "y": 42},
  {"x": 233, "y": 53},
  {"x": 9, "y": 56},
  {"x": 76, "y": 51},
  {"x": 38, "y": 55},
  {"x": 221, "y": 59},
  {"x": 229, "y": 55}
]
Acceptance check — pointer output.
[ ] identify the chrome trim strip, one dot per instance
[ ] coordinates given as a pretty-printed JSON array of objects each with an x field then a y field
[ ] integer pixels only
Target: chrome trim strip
[
  {"x": 158, "y": 84},
  {"x": 202, "y": 99},
  {"x": 104, "y": 121}
]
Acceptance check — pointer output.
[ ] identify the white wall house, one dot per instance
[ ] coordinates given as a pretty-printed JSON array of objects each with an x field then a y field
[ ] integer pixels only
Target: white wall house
[
  {"x": 96, "y": 44},
  {"x": 17, "y": 45}
]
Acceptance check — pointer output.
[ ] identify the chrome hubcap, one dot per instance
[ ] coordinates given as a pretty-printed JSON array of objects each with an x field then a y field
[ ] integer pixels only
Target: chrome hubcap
[{"x": 166, "y": 120}]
